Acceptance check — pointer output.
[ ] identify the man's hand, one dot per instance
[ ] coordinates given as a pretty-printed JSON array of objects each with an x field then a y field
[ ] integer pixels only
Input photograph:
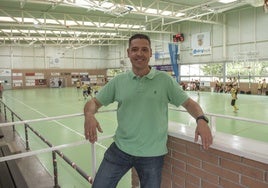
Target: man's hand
[
  {"x": 202, "y": 127},
  {"x": 91, "y": 125},
  {"x": 203, "y": 130}
]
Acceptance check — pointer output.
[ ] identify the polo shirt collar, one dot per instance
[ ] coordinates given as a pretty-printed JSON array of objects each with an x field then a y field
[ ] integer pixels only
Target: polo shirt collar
[{"x": 150, "y": 75}]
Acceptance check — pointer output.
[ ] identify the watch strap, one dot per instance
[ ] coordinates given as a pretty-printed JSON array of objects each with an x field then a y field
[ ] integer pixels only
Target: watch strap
[{"x": 202, "y": 117}]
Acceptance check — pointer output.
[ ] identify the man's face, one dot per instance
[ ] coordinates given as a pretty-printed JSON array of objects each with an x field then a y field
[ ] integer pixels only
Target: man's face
[{"x": 139, "y": 53}]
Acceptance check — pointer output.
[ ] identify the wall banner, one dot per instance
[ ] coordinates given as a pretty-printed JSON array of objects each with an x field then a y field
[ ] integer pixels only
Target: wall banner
[
  {"x": 173, "y": 52},
  {"x": 201, "y": 44}
]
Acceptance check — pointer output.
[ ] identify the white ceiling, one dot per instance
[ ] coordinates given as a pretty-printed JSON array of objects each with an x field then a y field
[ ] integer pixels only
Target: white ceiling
[{"x": 101, "y": 22}]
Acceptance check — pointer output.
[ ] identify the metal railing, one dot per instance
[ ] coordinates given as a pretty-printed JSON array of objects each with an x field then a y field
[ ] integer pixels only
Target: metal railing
[
  {"x": 4, "y": 109},
  {"x": 54, "y": 149}
]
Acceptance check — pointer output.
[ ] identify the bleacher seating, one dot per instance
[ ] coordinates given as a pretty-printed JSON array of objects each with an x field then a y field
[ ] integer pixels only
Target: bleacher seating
[{"x": 11, "y": 176}]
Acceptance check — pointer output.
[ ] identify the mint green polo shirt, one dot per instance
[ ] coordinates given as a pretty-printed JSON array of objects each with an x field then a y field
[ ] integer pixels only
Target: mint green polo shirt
[{"x": 142, "y": 112}]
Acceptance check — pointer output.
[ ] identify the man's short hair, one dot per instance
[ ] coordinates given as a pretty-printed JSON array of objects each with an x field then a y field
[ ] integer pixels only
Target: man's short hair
[{"x": 139, "y": 36}]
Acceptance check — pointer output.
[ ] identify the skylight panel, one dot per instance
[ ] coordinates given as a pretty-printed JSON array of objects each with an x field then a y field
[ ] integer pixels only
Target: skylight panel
[
  {"x": 88, "y": 24},
  {"x": 6, "y": 19},
  {"x": 70, "y": 22},
  {"x": 107, "y": 5},
  {"x": 111, "y": 25},
  {"x": 166, "y": 13},
  {"x": 26, "y": 20},
  {"x": 227, "y": 1},
  {"x": 151, "y": 11},
  {"x": 58, "y": 32},
  {"x": 180, "y": 14},
  {"x": 124, "y": 26},
  {"x": 9, "y": 31},
  {"x": 50, "y": 21},
  {"x": 30, "y": 31}
]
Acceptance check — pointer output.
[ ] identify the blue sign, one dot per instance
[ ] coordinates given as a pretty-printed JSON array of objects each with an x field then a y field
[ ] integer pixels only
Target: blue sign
[{"x": 173, "y": 52}]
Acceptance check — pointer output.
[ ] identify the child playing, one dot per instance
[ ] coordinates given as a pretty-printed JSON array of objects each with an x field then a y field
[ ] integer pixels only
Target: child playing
[
  {"x": 85, "y": 90},
  {"x": 89, "y": 91},
  {"x": 1, "y": 90},
  {"x": 233, "y": 92}
]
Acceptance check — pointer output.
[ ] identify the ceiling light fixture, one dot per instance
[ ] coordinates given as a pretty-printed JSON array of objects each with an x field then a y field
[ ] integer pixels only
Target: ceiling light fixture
[{"x": 227, "y": 1}]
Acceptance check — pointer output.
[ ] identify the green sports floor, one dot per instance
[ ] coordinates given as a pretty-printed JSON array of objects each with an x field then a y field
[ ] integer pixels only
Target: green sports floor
[{"x": 50, "y": 102}]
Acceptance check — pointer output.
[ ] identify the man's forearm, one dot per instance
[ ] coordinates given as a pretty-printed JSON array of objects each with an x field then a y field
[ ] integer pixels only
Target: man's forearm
[
  {"x": 91, "y": 107},
  {"x": 193, "y": 108}
]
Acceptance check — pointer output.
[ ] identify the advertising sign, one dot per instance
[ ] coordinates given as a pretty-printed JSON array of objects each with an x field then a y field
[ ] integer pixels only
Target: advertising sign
[{"x": 201, "y": 44}]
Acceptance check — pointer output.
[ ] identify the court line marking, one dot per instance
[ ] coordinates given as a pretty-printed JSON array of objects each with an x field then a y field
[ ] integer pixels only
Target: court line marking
[
  {"x": 57, "y": 122},
  {"x": 42, "y": 114}
]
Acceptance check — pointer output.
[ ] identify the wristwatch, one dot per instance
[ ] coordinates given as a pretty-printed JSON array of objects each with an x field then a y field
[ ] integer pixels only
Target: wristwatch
[{"x": 202, "y": 117}]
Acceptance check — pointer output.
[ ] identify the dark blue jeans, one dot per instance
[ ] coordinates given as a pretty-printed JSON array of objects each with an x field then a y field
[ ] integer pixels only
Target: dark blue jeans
[{"x": 116, "y": 163}]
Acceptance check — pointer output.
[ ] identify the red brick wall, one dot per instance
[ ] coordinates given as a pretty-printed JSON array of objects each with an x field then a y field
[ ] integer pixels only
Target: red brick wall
[{"x": 187, "y": 165}]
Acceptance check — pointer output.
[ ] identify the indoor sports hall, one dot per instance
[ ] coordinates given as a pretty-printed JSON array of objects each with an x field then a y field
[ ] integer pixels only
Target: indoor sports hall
[{"x": 51, "y": 49}]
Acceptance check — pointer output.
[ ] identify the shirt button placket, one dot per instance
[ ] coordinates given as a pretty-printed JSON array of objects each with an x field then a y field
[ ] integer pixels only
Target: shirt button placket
[{"x": 140, "y": 85}]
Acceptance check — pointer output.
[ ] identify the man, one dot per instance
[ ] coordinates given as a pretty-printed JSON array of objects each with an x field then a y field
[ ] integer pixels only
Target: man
[
  {"x": 259, "y": 88},
  {"x": 234, "y": 92},
  {"x": 264, "y": 86},
  {"x": 85, "y": 90},
  {"x": 143, "y": 95},
  {"x": 1, "y": 90}
]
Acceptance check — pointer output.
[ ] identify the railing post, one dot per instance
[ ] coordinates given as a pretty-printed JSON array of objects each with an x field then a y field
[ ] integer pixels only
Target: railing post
[
  {"x": 5, "y": 112},
  {"x": 213, "y": 125},
  {"x": 26, "y": 137},
  {"x": 55, "y": 170},
  {"x": 93, "y": 160},
  {"x": 12, "y": 119}
]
